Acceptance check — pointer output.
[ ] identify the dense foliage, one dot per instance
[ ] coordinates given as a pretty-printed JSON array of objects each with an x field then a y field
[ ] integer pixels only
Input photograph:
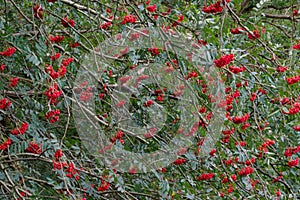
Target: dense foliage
[{"x": 255, "y": 48}]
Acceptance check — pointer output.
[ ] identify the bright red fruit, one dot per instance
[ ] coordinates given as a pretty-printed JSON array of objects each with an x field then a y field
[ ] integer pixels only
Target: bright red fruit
[
  {"x": 281, "y": 69},
  {"x": 154, "y": 51},
  {"x": 34, "y": 148},
  {"x": 53, "y": 93},
  {"x": 293, "y": 163},
  {"x": 104, "y": 186},
  {"x": 2, "y": 67},
  {"x": 56, "y": 39},
  {"x": 297, "y": 46},
  {"x": 293, "y": 80},
  {"x": 254, "y": 35},
  {"x": 291, "y": 150},
  {"x": 179, "y": 161},
  {"x": 213, "y": 8},
  {"x": 67, "y": 22},
  {"x": 148, "y": 103},
  {"x": 5, "y": 145},
  {"x": 151, "y": 8},
  {"x": 8, "y": 52},
  {"x": 4, "y": 103},
  {"x": 246, "y": 171},
  {"x": 58, "y": 154},
  {"x": 13, "y": 82},
  {"x": 224, "y": 60},
  {"x": 105, "y": 25},
  {"x": 53, "y": 116},
  {"x": 241, "y": 119},
  {"x": 297, "y": 127},
  {"x": 128, "y": 19},
  {"x": 20, "y": 130},
  {"x": 205, "y": 176},
  {"x": 253, "y": 97},
  {"x": 55, "y": 56},
  {"x": 237, "y": 30},
  {"x": 236, "y": 70}
]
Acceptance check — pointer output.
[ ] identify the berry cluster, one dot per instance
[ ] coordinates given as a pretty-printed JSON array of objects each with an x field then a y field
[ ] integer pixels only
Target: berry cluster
[
  {"x": 34, "y": 148},
  {"x": 53, "y": 115},
  {"x": 4, "y": 103},
  {"x": 53, "y": 93},
  {"x": 224, "y": 60},
  {"x": 8, "y": 52},
  {"x": 20, "y": 130}
]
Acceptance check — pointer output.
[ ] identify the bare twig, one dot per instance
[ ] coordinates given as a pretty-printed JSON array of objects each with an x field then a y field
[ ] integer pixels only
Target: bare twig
[{"x": 81, "y": 7}]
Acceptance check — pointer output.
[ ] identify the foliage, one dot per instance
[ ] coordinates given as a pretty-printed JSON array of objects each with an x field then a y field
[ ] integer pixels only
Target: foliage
[{"x": 255, "y": 48}]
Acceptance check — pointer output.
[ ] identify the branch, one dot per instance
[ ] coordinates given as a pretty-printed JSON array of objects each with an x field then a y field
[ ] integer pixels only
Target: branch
[
  {"x": 234, "y": 16},
  {"x": 289, "y": 17},
  {"x": 81, "y": 7},
  {"x": 280, "y": 28}
]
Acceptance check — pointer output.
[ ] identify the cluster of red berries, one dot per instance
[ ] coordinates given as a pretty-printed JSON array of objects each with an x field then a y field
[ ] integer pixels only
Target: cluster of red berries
[
  {"x": 179, "y": 20},
  {"x": 34, "y": 148},
  {"x": 291, "y": 150},
  {"x": 128, "y": 19},
  {"x": 192, "y": 74},
  {"x": 296, "y": 46},
  {"x": 86, "y": 95},
  {"x": 241, "y": 119},
  {"x": 179, "y": 161},
  {"x": 236, "y": 70},
  {"x": 56, "y": 39},
  {"x": 4, "y": 103},
  {"x": 205, "y": 176},
  {"x": 293, "y": 80},
  {"x": 254, "y": 35},
  {"x": 55, "y": 56},
  {"x": 53, "y": 115},
  {"x": 2, "y": 67},
  {"x": 236, "y": 31},
  {"x": 214, "y": 8},
  {"x": 124, "y": 79},
  {"x": 294, "y": 109},
  {"x": 104, "y": 186},
  {"x": 293, "y": 163},
  {"x": 20, "y": 130},
  {"x": 105, "y": 25},
  {"x": 8, "y": 52},
  {"x": 224, "y": 60},
  {"x": 67, "y": 22},
  {"x": 13, "y": 82},
  {"x": 53, "y": 93},
  {"x": 246, "y": 171},
  {"x": 281, "y": 68},
  {"x": 118, "y": 136},
  {"x": 5, "y": 145},
  {"x": 154, "y": 51},
  {"x": 62, "y": 70},
  {"x": 151, "y": 8},
  {"x": 264, "y": 146},
  {"x": 148, "y": 103},
  {"x": 71, "y": 171}
]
